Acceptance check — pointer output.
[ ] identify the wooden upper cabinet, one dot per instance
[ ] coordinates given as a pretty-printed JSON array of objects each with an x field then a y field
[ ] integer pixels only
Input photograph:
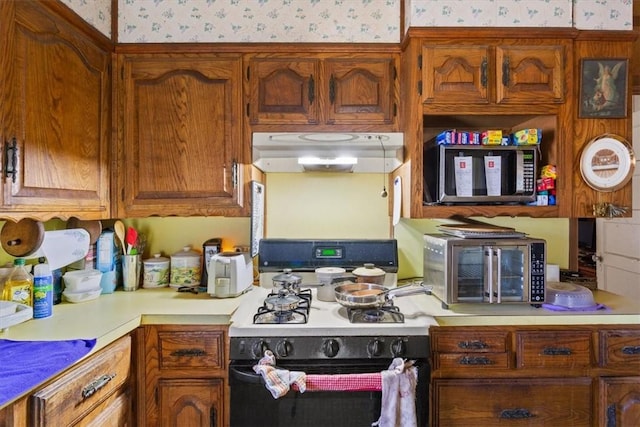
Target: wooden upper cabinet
[
  {"x": 180, "y": 135},
  {"x": 283, "y": 90},
  {"x": 54, "y": 116},
  {"x": 322, "y": 91},
  {"x": 489, "y": 73}
]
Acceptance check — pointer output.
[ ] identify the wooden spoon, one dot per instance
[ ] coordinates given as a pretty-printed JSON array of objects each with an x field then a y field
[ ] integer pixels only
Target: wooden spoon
[{"x": 118, "y": 227}]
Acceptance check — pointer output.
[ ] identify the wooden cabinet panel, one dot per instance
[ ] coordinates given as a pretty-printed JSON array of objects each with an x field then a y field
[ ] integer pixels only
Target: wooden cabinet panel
[
  {"x": 620, "y": 402},
  {"x": 540, "y": 402},
  {"x": 470, "y": 341},
  {"x": 360, "y": 90},
  {"x": 80, "y": 390},
  {"x": 456, "y": 74},
  {"x": 180, "y": 149},
  {"x": 284, "y": 90},
  {"x": 191, "y": 349},
  {"x": 56, "y": 91},
  {"x": 185, "y": 376},
  {"x": 191, "y": 402},
  {"x": 554, "y": 349},
  {"x": 620, "y": 348},
  {"x": 319, "y": 91},
  {"x": 116, "y": 411}
]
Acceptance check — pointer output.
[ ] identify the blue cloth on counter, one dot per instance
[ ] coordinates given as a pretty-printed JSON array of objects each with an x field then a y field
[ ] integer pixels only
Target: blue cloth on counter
[{"x": 26, "y": 364}]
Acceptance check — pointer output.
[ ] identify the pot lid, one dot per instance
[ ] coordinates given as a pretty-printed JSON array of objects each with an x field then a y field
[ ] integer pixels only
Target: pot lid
[
  {"x": 287, "y": 277},
  {"x": 368, "y": 270}
]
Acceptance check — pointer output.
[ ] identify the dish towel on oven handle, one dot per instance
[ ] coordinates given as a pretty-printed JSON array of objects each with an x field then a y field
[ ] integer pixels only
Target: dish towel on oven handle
[
  {"x": 398, "y": 406},
  {"x": 278, "y": 381}
]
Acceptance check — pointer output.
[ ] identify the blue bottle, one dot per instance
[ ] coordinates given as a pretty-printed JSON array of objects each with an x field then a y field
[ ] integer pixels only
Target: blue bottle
[{"x": 42, "y": 291}]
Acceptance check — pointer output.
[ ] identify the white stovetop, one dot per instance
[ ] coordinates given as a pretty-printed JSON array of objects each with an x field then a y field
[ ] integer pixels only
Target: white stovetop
[{"x": 326, "y": 319}]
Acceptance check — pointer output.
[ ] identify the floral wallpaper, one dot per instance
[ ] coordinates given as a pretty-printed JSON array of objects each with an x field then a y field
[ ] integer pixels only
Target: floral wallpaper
[{"x": 336, "y": 21}]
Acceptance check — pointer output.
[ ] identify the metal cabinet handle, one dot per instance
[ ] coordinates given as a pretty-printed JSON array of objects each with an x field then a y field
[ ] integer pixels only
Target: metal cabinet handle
[
  {"x": 505, "y": 72},
  {"x": 476, "y": 345},
  {"x": 189, "y": 352},
  {"x": 10, "y": 159},
  {"x": 332, "y": 89},
  {"x": 611, "y": 416},
  {"x": 483, "y": 72},
  {"x": 517, "y": 413},
  {"x": 551, "y": 351},
  {"x": 475, "y": 361},
  {"x": 96, "y": 385},
  {"x": 213, "y": 418},
  {"x": 631, "y": 349}
]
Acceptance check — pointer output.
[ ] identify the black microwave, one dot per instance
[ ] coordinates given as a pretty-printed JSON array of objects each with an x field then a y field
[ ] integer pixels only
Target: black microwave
[{"x": 480, "y": 174}]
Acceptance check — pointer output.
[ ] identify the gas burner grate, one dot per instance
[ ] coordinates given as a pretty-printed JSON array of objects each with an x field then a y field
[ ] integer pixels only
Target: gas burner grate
[{"x": 383, "y": 314}]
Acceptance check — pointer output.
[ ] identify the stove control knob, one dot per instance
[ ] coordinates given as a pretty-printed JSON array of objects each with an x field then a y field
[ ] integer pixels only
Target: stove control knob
[
  {"x": 331, "y": 347},
  {"x": 374, "y": 348},
  {"x": 284, "y": 348},
  {"x": 259, "y": 348},
  {"x": 398, "y": 347}
]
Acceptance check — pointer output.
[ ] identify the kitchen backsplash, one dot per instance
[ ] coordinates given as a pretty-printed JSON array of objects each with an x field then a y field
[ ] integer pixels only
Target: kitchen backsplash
[{"x": 336, "y": 21}]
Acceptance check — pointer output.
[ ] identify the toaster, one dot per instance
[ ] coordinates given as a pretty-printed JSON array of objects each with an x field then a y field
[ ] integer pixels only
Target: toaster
[{"x": 230, "y": 274}]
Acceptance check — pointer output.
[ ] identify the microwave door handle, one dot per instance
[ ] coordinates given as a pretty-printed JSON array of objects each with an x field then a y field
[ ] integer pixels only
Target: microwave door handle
[
  {"x": 488, "y": 255},
  {"x": 499, "y": 274}
]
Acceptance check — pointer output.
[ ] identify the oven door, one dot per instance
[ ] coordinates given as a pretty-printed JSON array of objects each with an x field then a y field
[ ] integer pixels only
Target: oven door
[{"x": 252, "y": 404}]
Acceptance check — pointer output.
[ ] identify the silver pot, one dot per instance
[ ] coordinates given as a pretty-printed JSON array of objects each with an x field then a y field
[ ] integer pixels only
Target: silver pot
[
  {"x": 287, "y": 281},
  {"x": 327, "y": 277}
]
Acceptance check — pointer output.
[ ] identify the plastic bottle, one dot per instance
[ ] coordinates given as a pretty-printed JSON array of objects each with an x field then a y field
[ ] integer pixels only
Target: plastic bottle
[
  {"x": 19, "y": 286},
  {"x": 42, "y": 291}
]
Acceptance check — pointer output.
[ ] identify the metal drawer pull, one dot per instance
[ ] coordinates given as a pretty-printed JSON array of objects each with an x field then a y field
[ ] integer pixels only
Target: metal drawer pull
[
  {"x": 189, "y": 352},
  {"x": 476, "y": 345},
  {"x": 475, "y": 361},
  {"x": 96, "y": 385},
  {"x": 551, "y": 351},
  {"x": 516, "y": 413},
  {"x": 631, "y": 349}
]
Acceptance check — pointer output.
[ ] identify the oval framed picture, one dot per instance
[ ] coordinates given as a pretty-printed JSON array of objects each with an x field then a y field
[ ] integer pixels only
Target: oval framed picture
[{"x": 607, "y": 162}]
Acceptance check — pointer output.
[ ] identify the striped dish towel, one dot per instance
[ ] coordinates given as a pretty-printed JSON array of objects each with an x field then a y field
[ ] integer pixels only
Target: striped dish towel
[{"x": 344, "y": 382}]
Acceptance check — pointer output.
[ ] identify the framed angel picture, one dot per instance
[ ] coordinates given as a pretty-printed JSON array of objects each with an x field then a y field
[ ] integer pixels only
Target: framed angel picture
[{"x": 603, "y": 88}]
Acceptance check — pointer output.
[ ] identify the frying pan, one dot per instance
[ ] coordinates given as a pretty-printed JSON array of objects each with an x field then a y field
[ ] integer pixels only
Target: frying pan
[{"x": 369, "y": 295}]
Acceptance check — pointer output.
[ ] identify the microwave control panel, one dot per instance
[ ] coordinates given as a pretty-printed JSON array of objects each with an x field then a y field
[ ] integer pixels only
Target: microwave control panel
[
  {"x": 538, "y": 267},
  {"x": 525, "y": 175}
]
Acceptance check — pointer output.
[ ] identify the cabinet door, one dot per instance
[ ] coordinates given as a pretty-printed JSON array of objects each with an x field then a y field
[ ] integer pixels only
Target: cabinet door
[
  {"x": 187, "y": 402},
  {"x": 54, "y": 117},
  {"x": 526, "y": 74},
  {"x": 525, "y": 401},
  {"x": 360, "y": 91},
  {"x": 181, "y": 145},
  {"x": 621, "y": 401},
  {"x": 283, "y": 90},
  {"x": 453, "y": 75}
]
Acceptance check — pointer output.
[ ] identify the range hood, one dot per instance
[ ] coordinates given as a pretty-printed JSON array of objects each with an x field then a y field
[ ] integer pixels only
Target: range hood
[{"x": 327, "y": 151}]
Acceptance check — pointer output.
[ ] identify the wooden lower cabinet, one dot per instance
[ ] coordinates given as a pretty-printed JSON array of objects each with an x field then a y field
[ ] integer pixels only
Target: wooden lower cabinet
[
  {"x": 522, "y": 401},
  {"x": 583, "y": 375},
  {"x": 185, "y": 376}
]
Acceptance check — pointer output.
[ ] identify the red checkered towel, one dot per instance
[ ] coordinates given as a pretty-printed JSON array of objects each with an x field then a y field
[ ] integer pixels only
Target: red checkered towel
[{"x": 344, "y": 382}]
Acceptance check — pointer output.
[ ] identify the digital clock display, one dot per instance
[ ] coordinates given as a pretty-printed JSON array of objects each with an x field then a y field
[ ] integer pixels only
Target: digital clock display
[{"x": 328, "y": 252}]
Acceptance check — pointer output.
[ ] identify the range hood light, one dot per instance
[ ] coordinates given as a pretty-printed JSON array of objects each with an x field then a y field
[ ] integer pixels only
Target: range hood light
[{"x": 333, "y": 161}]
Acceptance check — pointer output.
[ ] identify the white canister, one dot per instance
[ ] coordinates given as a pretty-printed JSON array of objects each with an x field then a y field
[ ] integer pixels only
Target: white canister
[
  {"x": 155, "y": 272},
  {"x": 185, "y": 268}
]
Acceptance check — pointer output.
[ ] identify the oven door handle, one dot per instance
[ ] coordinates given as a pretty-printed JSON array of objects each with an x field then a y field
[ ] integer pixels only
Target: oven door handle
[{"x": 245, "y": 376}]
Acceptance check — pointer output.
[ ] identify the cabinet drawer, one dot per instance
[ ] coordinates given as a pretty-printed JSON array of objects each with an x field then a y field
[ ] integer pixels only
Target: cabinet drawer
[
  {"x": 83, "y": 387},
  {"x": 191, "y": 349},
  {"x": 553, "y": 349},
  {"x": 523, "y": 401},
  {"x": 472, "y": 361},
  {"x": 469, "y": 342},
  {"x": 620, "y": 348}
]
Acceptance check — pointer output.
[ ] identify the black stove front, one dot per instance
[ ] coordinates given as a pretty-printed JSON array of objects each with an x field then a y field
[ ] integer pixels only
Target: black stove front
[{"x": 252, "y": 404}]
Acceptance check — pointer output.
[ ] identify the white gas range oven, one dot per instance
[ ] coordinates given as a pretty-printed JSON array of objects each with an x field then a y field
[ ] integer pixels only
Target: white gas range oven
[{"x": 320, "y": 337}]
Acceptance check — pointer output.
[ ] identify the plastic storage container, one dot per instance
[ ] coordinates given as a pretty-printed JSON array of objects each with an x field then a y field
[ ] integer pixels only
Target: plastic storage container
[
  {"x": 19, "y": 285},
  {"x": 185, "y": 268}
]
